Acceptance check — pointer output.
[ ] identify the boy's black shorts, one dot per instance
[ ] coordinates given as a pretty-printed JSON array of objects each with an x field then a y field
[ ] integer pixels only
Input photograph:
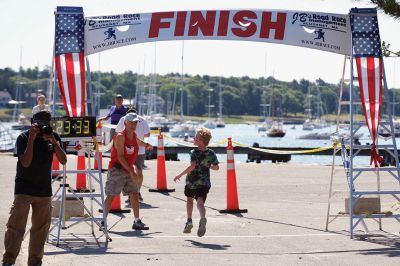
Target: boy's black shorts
[{"x": 197, "y": 193}]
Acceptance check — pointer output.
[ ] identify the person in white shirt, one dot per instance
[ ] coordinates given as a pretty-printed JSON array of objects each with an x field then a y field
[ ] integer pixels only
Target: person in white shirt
[
  {"x": 42, "y": 106},
  {"x": 142, "y": 131}
]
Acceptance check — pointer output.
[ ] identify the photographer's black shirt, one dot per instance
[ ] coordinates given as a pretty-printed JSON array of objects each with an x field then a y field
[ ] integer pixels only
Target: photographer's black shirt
[{"x": 35, "y": 180}]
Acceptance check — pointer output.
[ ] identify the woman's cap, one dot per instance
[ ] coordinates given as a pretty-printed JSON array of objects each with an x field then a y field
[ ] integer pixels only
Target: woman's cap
[{"x": 132, "y": 117}]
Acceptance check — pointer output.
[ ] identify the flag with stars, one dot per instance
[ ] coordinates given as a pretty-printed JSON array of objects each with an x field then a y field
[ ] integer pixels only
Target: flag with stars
[
  {"x": 368, "y": 55},
  {"x": 69, "y": 58}
]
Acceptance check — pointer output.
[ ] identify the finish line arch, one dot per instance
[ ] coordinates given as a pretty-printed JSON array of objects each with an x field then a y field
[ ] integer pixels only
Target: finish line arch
[
  {"x": 322, "y": 31},
  {"x": 355, "y": 35}
]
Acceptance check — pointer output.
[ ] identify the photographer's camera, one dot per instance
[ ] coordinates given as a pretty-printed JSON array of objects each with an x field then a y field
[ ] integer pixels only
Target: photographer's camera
[{"x": 45, "y": 129}]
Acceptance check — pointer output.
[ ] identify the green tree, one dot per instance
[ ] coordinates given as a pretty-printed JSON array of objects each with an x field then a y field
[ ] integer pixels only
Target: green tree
[{"x": 390, "y": 7}]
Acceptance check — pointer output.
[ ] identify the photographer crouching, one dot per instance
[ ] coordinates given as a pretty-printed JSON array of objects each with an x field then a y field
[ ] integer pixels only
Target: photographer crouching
[{"x": 35, "y": 148}]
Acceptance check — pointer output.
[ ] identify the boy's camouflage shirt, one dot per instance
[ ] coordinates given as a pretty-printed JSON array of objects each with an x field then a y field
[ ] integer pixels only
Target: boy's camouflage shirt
[{"x": 200, "y": 176}]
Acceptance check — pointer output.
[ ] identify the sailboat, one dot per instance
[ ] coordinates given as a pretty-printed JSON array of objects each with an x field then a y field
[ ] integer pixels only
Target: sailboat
[
  {"x": 266, "y": 123},
  {"x": 276, "y": 130},
  {"x": 7, "y": 139},
  {"x": 308, "y": 125},
  {"x": 220, "y": 122},
  {"x": 210, "y": 124},
  {"x": 187, "y": 128},
  {"x": 20, "y": 121},
  {"x": 319, "y": 122},
  {"x": 385, "y": 132}
]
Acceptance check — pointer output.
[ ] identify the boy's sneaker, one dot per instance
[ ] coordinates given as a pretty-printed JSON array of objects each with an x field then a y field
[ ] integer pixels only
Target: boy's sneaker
[
  {"x": 138, "y": 225},
  {"x": 202, "y": 227},
  {"x": 188, "y": 227}
]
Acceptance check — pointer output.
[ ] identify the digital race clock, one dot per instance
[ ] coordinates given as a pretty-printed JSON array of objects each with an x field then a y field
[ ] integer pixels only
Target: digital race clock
[{"x": 74, "y": 127}]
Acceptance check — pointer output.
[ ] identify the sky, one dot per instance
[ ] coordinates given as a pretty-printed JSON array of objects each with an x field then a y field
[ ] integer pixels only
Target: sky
[{"x": 29, "y": 31}]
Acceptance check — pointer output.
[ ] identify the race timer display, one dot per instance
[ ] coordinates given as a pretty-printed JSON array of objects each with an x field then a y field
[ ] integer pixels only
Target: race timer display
[{"x": 74, "y": 127}]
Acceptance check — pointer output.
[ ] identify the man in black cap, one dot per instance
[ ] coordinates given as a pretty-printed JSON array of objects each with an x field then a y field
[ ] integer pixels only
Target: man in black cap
[{"x": 35, "y": 148}]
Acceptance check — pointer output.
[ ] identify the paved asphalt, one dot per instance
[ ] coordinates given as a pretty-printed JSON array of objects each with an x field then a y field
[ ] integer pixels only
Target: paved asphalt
[{"x": 285, "y": 223}]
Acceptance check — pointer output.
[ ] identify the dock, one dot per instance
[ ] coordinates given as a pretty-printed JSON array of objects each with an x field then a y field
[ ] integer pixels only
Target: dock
[{"x": 171, "y": 152}]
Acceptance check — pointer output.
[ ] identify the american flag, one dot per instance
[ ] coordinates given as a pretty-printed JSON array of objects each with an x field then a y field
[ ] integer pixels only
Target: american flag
[
  {"x": 69, "y": 59},
  {"x": 368, "y": 55}
]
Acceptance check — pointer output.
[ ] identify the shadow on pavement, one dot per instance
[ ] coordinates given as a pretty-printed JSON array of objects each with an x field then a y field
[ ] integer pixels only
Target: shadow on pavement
[
  {"x": 132, "y": 233},
  {"x": 382, "y": 238},
  {"x": 208, "y": 246}
]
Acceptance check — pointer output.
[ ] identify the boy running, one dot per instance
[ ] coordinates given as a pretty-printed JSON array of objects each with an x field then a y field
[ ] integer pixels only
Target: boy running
[{"x": 198, "y": 178}]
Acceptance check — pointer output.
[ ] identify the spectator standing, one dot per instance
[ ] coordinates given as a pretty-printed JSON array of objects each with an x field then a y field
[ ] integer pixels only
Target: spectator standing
[
  {"x": 116, "y": 111},
  {"x": 41, "y": 106},
  {"x": 35, "y": 148}
]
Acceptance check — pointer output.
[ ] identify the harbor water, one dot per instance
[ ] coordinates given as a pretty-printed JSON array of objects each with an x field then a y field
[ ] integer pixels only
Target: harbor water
[{"x": 248, "y": 135}]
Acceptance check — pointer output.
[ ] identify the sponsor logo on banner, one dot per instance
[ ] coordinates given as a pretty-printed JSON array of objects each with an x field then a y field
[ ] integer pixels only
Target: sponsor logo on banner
[
  {"x": 322, "y": 31},
  {"x": 116, "y": 31}
]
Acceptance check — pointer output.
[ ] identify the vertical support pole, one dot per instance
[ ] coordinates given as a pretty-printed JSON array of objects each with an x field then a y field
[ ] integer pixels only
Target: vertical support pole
[
  {"x": 351, "y": 188},
  {"x": 89, "y": 90},
  {"x": 335, "y": 149},
  {"x": 61, "y": 212}
]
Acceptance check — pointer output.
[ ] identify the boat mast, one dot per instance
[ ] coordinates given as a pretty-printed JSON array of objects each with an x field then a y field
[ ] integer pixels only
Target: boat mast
[
  {"x": 220, "y": 100},
  {"x": 183, "y": 46},
  {"x": 209, "y": 100},
  {"x": 319, "y": 103},
  {"x": 309, "y": 103},
  {"x": 271, "y": 100},
  {"x": 17, "y": 89}
]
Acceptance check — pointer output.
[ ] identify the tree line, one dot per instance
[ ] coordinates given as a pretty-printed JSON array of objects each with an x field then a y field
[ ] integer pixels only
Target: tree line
[{"x": 240, "y": 95}]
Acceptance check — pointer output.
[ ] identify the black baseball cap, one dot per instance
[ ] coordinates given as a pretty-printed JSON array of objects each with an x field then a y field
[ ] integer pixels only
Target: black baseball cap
[{"x": 41, "y": 116}]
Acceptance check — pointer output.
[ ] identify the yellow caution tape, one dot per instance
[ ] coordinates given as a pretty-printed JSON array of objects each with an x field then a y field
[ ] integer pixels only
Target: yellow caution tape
[
  {"x": 218, "y": 143},
  {"x": 286, "y": 152}
]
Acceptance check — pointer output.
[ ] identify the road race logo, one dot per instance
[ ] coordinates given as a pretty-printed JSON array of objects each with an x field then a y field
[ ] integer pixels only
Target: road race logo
[
  {"x": 319, "y": 27},
  {"x": 114, "y": 29}
]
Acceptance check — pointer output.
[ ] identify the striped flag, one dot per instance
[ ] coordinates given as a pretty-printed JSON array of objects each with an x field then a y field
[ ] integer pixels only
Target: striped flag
[
  {"x": 368, "y": 55},
  {"x": 70, "y": 60}
]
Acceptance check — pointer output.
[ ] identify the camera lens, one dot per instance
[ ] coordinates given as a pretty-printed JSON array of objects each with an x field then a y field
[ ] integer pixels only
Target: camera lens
[{"x": 46, "y": 130}]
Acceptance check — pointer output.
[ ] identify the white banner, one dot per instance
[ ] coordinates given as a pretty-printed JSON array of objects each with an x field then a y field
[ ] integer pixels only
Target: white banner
[{"x": 321, "y": 31}]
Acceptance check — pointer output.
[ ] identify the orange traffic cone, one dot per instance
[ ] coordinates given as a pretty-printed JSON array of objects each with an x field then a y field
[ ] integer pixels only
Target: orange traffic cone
[
  {"x": 99, "y": 154},
  {"x": 231, "y": 192},
  {"x": 80, "y": 166},
  {"x": 116, "y": 206},
  {"x": 80, "y": 177},
  {"x": 161, "y": 172},
  {"x": 55, "y": 166}
]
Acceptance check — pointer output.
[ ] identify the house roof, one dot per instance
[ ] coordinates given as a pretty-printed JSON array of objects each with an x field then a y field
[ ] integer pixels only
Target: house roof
[{"x": 5, "y": 94}]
